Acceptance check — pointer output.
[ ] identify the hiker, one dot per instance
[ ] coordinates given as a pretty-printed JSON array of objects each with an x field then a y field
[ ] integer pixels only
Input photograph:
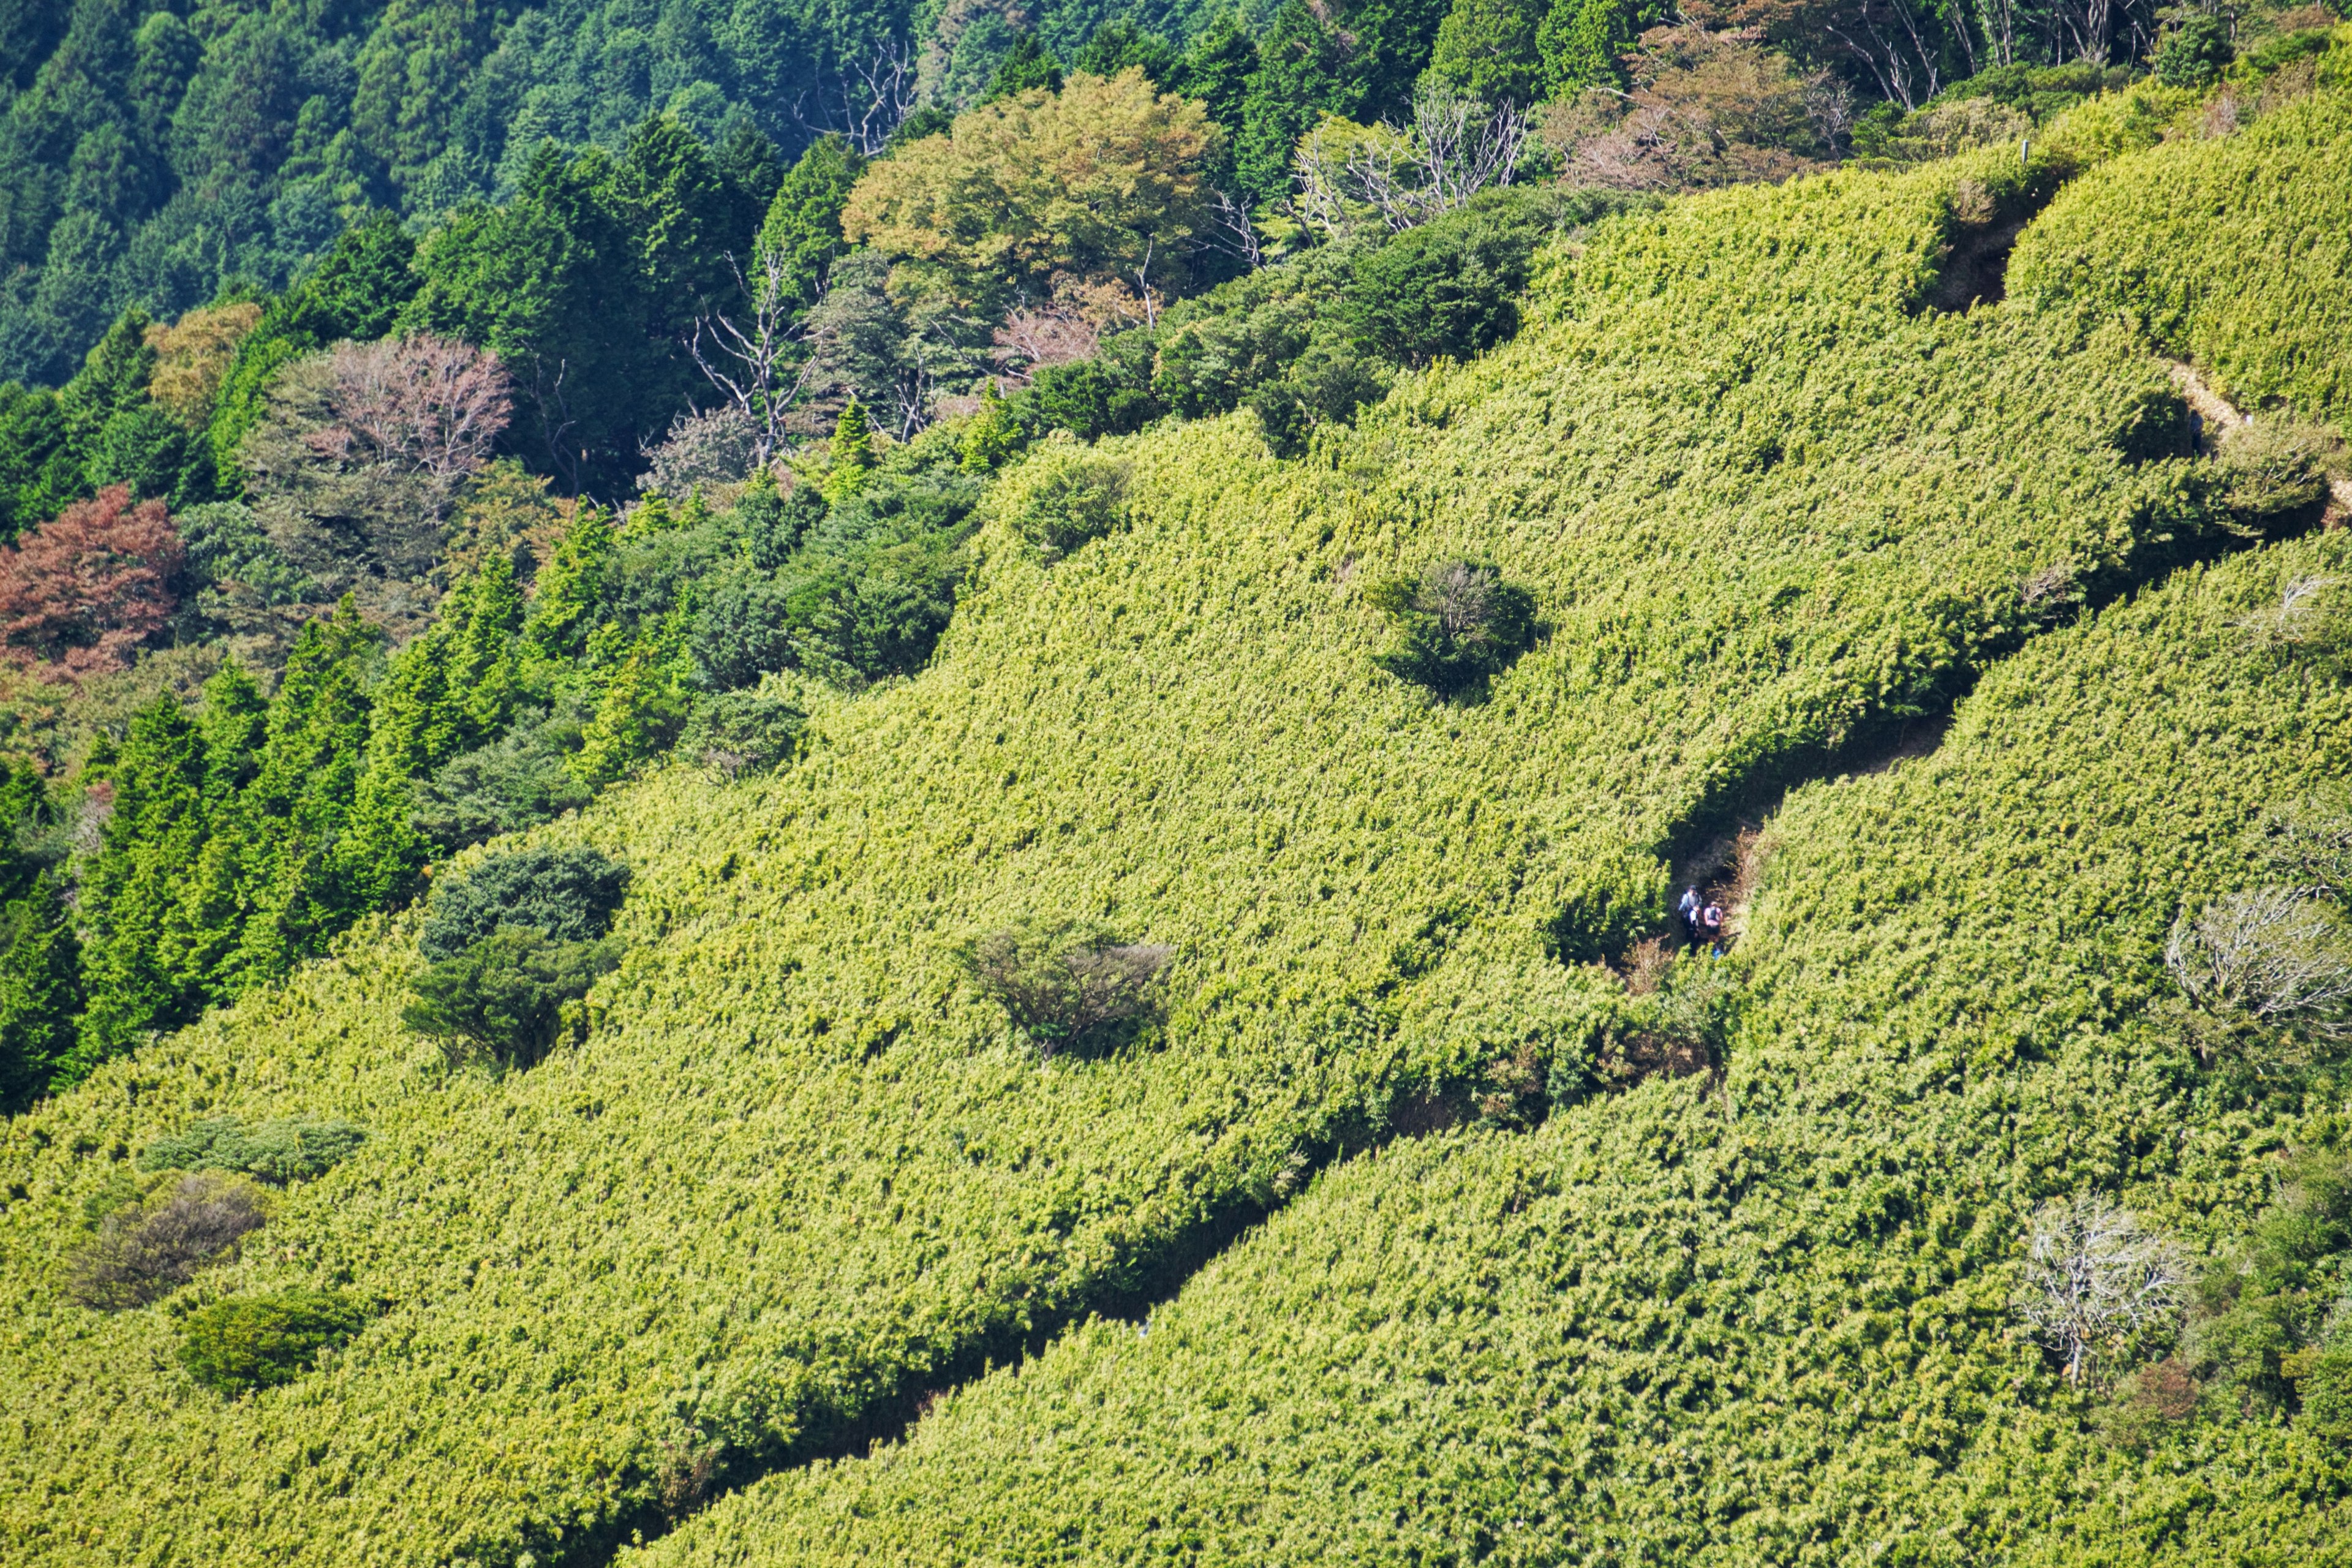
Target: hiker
[
  {"x": 1710, "y": 919},
  {"x": 1690, "y": 910}
]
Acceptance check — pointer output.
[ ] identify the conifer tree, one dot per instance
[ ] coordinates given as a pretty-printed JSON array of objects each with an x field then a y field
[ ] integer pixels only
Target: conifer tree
[
  {"x": 853, "y": 454},
  {"x": 304, "y": 877},
  {"x": 569, "y": 593}
]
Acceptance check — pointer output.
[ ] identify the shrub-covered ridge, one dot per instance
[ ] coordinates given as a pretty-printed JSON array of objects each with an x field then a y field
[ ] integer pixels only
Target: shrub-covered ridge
[{"x": 800, "y": 1171}]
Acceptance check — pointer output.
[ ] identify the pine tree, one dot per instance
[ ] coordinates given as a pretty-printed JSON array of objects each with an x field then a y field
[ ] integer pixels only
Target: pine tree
[
  {"x": 568, "y": 597},
  {"x": 853, "y": 454},
  {"x": 993, "y": 436},
  {"x": 158, "y": 830},
  {"x": 643, "y": 706},
  {"x": 1584, "y": 44},
  {"x": 802, "y": 232},
  {"x": 302, "y": 880},
  {"x": 39, "y": 959}
]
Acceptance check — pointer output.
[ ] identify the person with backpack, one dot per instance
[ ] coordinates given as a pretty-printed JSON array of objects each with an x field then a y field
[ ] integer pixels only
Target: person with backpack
[
  {"x": 1689, "y": 912},
  {"x": 1710, "y": 919}
]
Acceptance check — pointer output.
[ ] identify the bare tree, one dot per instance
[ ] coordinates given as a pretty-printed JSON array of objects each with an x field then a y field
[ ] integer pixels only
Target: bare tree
[
  {"x": 2295, "y": 621},
  {"x": 870, "y": 97},
  {"x": 1232, "y": 231},
  {"x": 760, "y": 365},
  {"x": 2268, "y": 958},
  {"x": 2312, "y": 840},
  {"x": 2098, "y": 1282},
  {"x": 1453, "y": 148},
  {"x": 427, "y": 406},
  {"x": 143, "y": 1254},
  {"x": 715, "y": 447}
]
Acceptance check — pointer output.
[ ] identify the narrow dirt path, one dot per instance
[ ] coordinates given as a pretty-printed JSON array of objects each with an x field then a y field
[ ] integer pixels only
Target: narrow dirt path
[{"x": 2219, "y": 415}]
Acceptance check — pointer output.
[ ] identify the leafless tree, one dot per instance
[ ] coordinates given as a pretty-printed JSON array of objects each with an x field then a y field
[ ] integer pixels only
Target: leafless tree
[
  {"x": 2297, "y": 618},
  {"x": 870, "y": 97},
  {"x": 1060, "y": 984},
  {"x": 2098, "y": 1282},
  {"x": 1896, "y": 41},
  {"x": 761, "y": 364},
  {"x": 2270, "y": 957},
  {"x": 2312, "y": 839},
  {"x": 427, "y": 406},
  {"x": 1232, "y": 232},
  {"x": 712, "y": 447},
  {"x": 143, "y": 1253},
  {"x": 1453, "y": 148}
]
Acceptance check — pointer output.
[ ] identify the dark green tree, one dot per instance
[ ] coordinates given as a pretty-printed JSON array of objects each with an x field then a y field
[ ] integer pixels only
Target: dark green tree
[{"x": 1028, "y": 65}]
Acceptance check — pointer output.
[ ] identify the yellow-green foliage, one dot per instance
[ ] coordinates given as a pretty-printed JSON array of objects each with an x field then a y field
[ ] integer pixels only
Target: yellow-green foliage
[
  {"x": 1758, "y": 1320},
  {"x": 2232, "y": 252},
  {"x": 800, "y": 1171}
]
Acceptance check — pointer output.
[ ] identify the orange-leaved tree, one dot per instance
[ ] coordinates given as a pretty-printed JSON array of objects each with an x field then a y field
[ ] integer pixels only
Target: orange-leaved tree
[{"x": 79, "y": 592}]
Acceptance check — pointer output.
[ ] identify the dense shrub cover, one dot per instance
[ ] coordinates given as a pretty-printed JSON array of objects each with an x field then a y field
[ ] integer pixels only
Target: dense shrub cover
[
  {"x": 1766, "y": 1319},
  {"x": 260, "y": 1341},
  {"x": 800, "y": 1172},
  {"x": 2219, "y": 247}
]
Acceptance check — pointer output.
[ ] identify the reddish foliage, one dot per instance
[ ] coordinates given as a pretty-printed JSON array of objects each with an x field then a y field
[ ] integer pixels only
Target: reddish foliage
[{"x": 78, "y": 594}]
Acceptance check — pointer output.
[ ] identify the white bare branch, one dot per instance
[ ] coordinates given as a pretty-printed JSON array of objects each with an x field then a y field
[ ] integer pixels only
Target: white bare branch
[
  {"x": 759, "y": 365},
  {"x": 2273, "y": 955},
  {"x": 2096, "y": 1280},
  {"x": 1451, "y": 149}
]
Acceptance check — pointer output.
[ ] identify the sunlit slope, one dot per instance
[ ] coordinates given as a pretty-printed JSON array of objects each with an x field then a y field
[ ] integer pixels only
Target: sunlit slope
[
  {"x": 799, "y": 1172},
  {"x": 2231, "y": 251},
  {"x": 1758, "y": 1320}
]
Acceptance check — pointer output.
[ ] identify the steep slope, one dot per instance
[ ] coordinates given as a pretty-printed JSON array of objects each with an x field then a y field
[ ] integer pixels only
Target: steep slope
[
  {"x": 800, "y": 1174},
  {"x": 1764, "y": 1317},
  {"x": 2228, "y": 251}
]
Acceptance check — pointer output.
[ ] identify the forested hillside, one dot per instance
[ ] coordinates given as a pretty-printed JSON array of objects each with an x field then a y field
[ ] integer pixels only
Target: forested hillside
[{"x": 749, "y": 828}]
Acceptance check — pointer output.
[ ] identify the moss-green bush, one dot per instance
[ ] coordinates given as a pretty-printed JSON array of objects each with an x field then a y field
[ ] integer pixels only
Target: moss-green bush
[
  {"x": 248, "y": 1342},
  {"x": 287, "y": 1150}
]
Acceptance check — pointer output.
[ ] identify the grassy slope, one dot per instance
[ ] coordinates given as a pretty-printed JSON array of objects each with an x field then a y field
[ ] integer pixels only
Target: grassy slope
[
  {"x": 1758, "y": 1322},
  {"x": 2233, "y": 253},
  {"x": 1763, "y": 1321},
  {"x": 797, "y": 1170}
]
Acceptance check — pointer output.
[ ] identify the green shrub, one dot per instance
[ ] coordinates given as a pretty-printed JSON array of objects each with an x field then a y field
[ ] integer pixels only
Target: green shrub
[
  {"x": 292, "y": 1149},
  {"x": 2194, "y": 53},
  {"x": 1066, "y": 985},
  {"x": 1062, "y": 496},
  {"x": 743, "y": 732},
  {"x": 248, "y": 1342},
  {"x": 566, "y": 894},
  {"x": 2278, "y": 470},
  {"x": 1458, "y": 624},
  {"x": 512, "y": 994}
]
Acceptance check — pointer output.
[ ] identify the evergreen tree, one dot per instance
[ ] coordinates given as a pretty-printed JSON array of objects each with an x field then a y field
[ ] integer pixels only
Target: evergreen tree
[
  {"x": 993, "y": 434},
  {"x": 569, "y": 599},
  {"x": 304, "y": 877},
  {"x": 161, "y": 823},
  {"x": 1217, "y": 71},
  {"x": 1298, "y": 79},
  {"x": 1584, "y": 44},
  {"x": 39, "y": 960},
  {"x": 1488, "y": 50},
  {"x": 1026, "y": 66},
  {"x": 643, "y": 706},
  {"x": 802, "y": 231},
  {"x": 853, "y": 454}
]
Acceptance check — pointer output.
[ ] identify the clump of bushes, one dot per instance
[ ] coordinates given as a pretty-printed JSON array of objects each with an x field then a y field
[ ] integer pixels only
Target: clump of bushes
[
  {"x": 2277, "y": 471},
  {"x": 261, "y": 1341},
  {"x": 1066, "y": 985},
  {"x": 566, "y": 894},
  {"x": 1062, "y": 496},
  {"x": 743, "y": 732},
  {"x": 145, "y": 1250},
  {"x": 517, "y": 944},
  {"x": 1458, "y": 626},
  {"x": 293, "y": 1149}
]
